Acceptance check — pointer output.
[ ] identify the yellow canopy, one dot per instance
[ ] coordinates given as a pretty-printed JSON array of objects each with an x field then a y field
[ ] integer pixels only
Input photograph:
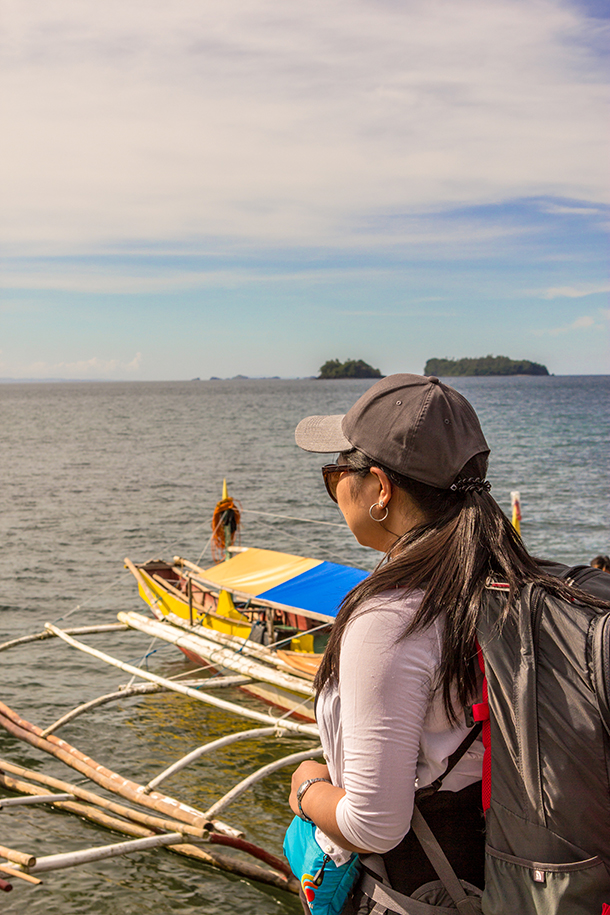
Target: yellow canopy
[{"x": 255, "y": 571}]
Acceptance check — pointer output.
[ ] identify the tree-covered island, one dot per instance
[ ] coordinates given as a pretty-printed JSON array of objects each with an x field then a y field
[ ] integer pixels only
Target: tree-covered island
[
  {"x": 351, "y": 368},
  {"x": 485, "y": 365}
]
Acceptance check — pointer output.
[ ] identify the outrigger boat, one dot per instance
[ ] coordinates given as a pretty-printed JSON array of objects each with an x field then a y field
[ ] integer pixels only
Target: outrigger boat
[
  {"x": 257, "y": 612},
  {"x": 257, "y": 616},
  {"x": 257, "y": 619}
]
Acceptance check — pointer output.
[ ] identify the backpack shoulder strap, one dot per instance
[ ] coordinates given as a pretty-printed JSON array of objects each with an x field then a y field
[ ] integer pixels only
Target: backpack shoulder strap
[{"x": 452, "y": 762}]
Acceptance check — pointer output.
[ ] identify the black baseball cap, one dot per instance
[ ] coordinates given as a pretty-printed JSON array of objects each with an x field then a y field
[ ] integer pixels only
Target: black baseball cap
[{"x": 415, "y": 425}]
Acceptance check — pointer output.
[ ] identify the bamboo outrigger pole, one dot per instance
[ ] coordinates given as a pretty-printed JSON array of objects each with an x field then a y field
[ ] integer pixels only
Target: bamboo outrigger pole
[
  {"x": 279, "y": 877},
  {"x": 307, "y": 729},
  {"x": 77, "y": 792},
  {"x": 218, "y": 655},
  {"x": 207, "y": 748},
  {"x": 236, "y": 643},
  {"x": 69, "y": 859},
  {"x": 81, "y": 630},
  {"x": 17, "y": 857},
  {"x": 14, "y": 872},
  {"x": 141, "y": 689},
  {"x": 131, "y": 820},
  {"x": 168, "y": 806},
  {"x": 246, "y": 783}
]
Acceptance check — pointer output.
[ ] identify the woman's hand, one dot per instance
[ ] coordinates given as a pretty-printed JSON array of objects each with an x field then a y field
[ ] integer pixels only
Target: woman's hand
[
  {"x": 308, "y": 769},
  {"x": 319, "y": 801}
]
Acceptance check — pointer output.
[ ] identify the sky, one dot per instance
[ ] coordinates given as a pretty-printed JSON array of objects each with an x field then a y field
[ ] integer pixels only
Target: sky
[{"x": 254, "y": 187}]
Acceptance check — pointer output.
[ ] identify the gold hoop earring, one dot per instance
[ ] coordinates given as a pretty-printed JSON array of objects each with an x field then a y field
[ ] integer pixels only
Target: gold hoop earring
[{"x": 381, "y": 505}]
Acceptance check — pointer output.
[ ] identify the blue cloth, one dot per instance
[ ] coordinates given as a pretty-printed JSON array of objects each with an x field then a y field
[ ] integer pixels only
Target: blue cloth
[
  {"x": 307, "y": 860},
  {"x": 320, "y": 590}
]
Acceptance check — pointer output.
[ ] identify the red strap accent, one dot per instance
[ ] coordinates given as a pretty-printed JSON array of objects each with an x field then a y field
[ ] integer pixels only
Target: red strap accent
[
  {"x": 605, "y": 909},
  {"x": 485, "y": 736},
  {"x": 480, "y": 711}
]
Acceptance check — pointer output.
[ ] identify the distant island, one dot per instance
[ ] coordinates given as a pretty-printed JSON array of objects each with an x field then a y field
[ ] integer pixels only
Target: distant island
[
  {"x": 485, "y": 365},
  {"x": 351, "y": 368}
]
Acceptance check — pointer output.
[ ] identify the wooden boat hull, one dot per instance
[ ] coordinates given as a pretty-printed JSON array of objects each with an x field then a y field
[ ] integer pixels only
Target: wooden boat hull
[{"x": 177, "y": 611}]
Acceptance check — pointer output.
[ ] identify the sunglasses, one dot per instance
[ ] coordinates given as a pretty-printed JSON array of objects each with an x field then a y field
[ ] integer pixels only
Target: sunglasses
[{"x": 331, "y": 474}]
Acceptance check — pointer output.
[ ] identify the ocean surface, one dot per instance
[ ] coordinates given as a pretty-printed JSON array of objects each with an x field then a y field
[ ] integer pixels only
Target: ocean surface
[{"x": 94, "y": 472}]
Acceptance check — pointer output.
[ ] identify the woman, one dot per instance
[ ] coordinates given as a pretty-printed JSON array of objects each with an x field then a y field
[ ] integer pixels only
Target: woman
[{"x": 401, "y": 664}]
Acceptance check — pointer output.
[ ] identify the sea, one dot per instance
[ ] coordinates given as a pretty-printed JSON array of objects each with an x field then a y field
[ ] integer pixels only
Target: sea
[{"x": 94, "y": 472}]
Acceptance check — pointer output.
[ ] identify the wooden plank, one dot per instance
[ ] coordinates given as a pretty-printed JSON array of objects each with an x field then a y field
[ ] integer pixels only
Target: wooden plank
[{"x": 15, "y": 872}]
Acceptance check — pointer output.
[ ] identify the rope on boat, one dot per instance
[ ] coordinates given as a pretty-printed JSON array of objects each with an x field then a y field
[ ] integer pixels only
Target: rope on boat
[
  {"x": 291, "y": 637},
  {"x": 205, "y": 548},
  {"x": 303, "y": 543},
  {"x": 144, "y": 658},
  {"x": 88, "y": 600},
  {"x": 251, "y": 511}
]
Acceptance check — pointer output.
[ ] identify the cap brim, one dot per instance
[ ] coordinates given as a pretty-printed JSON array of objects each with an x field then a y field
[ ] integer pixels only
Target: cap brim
[{"x": 322, "y": 434}]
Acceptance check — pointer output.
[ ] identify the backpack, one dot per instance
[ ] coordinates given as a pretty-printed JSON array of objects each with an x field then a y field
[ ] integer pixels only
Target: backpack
[{"x": 546, "y": 730}]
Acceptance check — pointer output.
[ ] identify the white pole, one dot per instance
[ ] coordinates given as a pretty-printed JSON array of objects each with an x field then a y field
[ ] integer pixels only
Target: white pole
[
  {"x": 69, "y": 859},
  {"x": 139, "y": 690},
  {"x": 239, "y": 789},
  {"x": 207, "y": 748},
  {"x": 36, "y": 799},
  {"x": 217, "y": 655},
  {"x": 309, "y": 729}
]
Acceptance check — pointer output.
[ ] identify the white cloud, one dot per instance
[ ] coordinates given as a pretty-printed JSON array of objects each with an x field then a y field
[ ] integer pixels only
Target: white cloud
[
  {"x": 82, "y": 368},
  {"x": 405, "y": 313},
  {"x": 140, "y": 273},
  {"x": 293, "y": 122},
  {"x": 557, "y": 209},
  {"x": 583, "y": 323},
  {"x": 575, "y": 292}
]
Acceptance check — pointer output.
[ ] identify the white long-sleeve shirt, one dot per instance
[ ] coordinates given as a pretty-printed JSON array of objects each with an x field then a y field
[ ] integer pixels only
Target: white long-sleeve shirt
[{"x": 383, "y": 728}]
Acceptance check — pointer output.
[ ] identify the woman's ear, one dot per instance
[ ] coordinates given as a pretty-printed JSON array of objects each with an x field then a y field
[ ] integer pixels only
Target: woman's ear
[{"x": 385, "y": 487}]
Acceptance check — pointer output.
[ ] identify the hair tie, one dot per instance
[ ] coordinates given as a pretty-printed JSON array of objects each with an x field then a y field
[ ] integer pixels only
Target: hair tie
[{"x": 471, "y": 484}]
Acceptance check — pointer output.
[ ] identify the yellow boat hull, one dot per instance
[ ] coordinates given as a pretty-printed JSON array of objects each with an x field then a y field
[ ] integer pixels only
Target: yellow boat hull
[{"x": 203, "y": 614}]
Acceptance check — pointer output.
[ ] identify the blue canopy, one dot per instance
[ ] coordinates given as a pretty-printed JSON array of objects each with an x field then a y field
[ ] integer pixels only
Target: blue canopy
[{"x": 319, "y": 590}]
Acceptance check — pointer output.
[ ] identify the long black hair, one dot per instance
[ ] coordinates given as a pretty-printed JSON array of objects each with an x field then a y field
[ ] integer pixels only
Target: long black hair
[{"x": 465, "y": 541}]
